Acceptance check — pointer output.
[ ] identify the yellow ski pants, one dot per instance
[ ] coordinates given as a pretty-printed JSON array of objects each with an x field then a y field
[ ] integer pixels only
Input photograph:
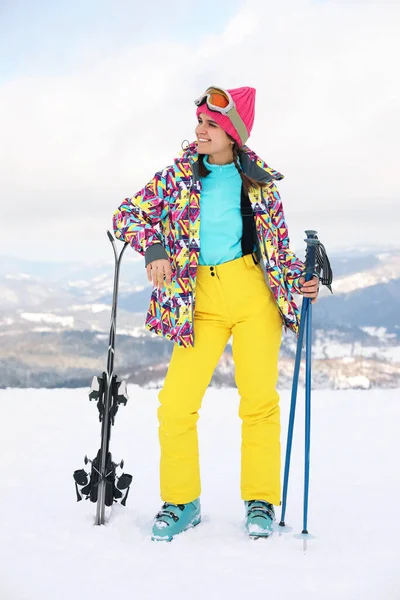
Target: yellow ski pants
[{"x": 231, "y": 299}]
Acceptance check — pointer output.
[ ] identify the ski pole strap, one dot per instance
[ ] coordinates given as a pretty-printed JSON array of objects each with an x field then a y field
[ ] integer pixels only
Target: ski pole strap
[
  {"x": 324, "y": 265},
  {"x": 317, "y": 261}
]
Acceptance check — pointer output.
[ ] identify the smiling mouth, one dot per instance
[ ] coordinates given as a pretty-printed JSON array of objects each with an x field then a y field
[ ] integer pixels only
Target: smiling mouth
[{"x": 203, "y": 141}]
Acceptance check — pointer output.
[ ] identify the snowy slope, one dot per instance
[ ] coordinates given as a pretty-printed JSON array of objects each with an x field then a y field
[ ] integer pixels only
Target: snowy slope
[{"x": 50, "y": 548}]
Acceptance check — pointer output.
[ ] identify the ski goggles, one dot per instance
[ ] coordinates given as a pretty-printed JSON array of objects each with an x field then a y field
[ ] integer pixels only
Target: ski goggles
[{"x": 221, "y": 101}]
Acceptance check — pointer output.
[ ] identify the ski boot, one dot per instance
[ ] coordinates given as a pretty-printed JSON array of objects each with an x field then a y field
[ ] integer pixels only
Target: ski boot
[
  {"x": 174, "y": 519},
  {"x": 260, "y": 515}
]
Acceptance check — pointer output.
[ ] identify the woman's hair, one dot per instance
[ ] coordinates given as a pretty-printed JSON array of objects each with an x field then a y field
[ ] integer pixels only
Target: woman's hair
[{"x": 248, "y": 182}]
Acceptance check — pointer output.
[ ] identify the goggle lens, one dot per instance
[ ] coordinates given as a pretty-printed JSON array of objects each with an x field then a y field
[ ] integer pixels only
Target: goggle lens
[{"x": 218, "y": 99}]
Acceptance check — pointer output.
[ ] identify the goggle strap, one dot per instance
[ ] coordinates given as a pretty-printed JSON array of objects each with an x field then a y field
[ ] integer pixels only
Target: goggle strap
[{"x": 238, "y": 124}]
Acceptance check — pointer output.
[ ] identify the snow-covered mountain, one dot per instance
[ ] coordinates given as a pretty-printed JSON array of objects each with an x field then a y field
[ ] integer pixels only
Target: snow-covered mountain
[{"x": 55, "y": 317}]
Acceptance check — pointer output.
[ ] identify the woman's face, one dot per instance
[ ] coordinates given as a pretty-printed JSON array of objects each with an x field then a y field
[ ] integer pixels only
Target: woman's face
[{"x": 211, "y": 138}]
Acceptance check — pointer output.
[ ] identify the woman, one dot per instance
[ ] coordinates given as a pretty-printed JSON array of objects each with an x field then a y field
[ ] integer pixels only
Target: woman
[{"x": 234, "y": 275}]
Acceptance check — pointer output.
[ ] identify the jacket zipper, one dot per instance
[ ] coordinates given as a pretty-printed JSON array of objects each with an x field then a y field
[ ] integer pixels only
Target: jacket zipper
[{"x": 194, "y": 180}]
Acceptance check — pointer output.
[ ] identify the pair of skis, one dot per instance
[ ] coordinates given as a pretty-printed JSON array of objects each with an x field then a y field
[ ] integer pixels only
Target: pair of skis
[{"x": 102, "y": 485}]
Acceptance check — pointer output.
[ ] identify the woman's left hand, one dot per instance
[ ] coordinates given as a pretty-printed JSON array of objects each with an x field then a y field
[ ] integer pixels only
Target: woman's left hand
[{"x": 309, "y": 289}]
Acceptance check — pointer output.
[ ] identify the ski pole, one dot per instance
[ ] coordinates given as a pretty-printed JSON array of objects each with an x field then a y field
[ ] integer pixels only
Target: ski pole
[
  {"x": 311, "y": 241},
  {"x": 292, "y": 412}
]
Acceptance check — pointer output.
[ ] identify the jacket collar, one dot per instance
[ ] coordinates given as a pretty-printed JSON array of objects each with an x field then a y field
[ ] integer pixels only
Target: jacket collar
[{"x": 253, "y": 165}]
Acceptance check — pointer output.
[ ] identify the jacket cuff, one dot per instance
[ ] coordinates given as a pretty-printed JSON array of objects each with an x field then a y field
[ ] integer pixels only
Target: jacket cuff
[{"x": 155, "y": 252}]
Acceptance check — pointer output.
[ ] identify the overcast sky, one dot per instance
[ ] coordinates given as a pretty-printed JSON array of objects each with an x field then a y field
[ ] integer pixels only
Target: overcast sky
[{"x": 95, "y": 97}]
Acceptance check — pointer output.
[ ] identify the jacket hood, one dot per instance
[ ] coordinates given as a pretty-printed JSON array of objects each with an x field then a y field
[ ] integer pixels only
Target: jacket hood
[{"x": 252, "y": 165}]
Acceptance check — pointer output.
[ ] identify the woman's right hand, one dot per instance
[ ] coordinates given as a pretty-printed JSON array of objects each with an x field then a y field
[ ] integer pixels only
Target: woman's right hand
[{"x": 157, "y": 270}]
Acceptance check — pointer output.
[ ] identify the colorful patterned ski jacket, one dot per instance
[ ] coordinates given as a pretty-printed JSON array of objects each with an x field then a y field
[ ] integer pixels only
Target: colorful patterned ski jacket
[{"x": 167, "y": 212}]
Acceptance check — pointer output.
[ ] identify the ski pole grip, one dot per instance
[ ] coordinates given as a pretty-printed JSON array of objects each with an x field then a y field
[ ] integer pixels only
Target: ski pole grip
[
  {"x": 312, "y": 242},
  {"x": 110, "y": 237}
]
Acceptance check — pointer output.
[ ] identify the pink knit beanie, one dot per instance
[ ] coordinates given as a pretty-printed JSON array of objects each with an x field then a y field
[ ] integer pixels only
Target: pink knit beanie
[{"x": 244, "y": 99}]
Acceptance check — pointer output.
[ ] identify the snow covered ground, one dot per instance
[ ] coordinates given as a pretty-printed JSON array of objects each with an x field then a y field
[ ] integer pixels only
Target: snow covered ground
[{"x": 50, "y": 549}]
